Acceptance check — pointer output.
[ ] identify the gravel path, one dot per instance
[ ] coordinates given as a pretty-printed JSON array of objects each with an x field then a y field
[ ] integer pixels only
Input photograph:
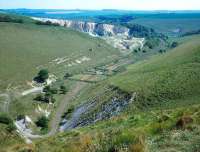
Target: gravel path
[{"x": 33, "y": 90}]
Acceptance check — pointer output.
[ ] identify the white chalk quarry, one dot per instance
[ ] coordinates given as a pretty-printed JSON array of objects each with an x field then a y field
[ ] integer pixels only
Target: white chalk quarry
[{"x": 118, "y": 36}]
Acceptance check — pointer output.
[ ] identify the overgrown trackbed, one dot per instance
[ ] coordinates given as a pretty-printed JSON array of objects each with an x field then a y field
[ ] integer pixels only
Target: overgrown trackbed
[
  {"x": 58, "y": 114},
  {"x": 63, "y": 104}
]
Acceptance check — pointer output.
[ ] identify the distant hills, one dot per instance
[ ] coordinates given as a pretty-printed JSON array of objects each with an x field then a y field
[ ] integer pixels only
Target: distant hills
[{"x": 171, "y": 23}]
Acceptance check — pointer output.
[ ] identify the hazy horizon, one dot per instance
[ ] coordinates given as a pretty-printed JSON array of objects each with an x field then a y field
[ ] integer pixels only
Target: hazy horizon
[
  {"x": 135, "y": 5},
  {"x": 106, "y": 9}
]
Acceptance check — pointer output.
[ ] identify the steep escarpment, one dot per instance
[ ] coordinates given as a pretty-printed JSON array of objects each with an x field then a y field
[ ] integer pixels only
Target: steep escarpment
[
  {"x": 107, "y": 104},
  {"x": 126, "y": 36},
  {"x": 96, "y": 29},
  {"x": 116, "y": 35}
]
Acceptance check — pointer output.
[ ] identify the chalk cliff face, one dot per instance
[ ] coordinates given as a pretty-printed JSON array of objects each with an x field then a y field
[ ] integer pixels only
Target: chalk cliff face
[
  {"x": 89, "y": 27},
  {"x": 118, "y": 36}
]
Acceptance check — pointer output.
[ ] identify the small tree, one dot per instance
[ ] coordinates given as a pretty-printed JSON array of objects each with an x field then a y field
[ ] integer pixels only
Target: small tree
[
  {"x": 160, "y": 51},
  {"x": 174, "y": 44},
  {"x": 63, "y": 89},
  {"x": 11, "y": 127},
  {"x": 42, "y": 75},
  {"x": 54, "y": 90},
  {"x": 48, "y": 96},
  {"x": 144, "y": 51},
  {"x": 20, "y": 117},
  {"x": 47, "y": 89},
  {"x": 39, "y": 97},
  {"x": 5, "y": 119},
  {"x": 67, "y": 75},
  {"x": 42, "y": 122},
  {"x": 53, "y": 100}
]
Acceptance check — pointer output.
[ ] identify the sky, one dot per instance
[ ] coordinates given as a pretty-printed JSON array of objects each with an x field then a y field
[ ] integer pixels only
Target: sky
[{"x": 103, "y": 4}]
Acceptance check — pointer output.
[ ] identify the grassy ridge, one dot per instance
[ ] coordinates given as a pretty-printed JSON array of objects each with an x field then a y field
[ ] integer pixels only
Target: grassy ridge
[
  {"x": 141, "y": 132},
  {"x": 172, "y": 76},
  {"x": 170, "y": 25}
]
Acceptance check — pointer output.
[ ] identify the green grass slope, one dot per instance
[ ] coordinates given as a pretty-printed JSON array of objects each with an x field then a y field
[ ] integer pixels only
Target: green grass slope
[
  {"x": 169, "y": 82},
  {"x": 170, "y": 26},
  {"x": 8, "y": 139},
  {"x": 169, "y": 77},
  {"x": 141, "y": 132},
  {"x": 163, "y": 80},
  {"x": 27, "y": 47}
]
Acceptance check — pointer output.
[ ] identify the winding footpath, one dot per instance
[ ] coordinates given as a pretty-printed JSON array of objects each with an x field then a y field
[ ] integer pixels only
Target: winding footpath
[
  {"x": 62, "y": 107},
  {"x": 58, "y": 114}
]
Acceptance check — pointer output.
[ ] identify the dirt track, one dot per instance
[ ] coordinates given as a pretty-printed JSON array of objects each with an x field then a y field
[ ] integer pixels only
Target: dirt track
[
  {"x": 62, "y": 106},
  {"x": 54, "y": 126}
]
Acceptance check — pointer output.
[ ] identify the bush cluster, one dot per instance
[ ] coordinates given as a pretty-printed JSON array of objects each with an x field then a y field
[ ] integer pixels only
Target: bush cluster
[
  {"x": 7, "y": 120},
  {"x": 42, "y": 76},
  {"x": 10, "y": 19},
  {"x": 46, "y": 23},
  {"x": 42, "y": 122}
]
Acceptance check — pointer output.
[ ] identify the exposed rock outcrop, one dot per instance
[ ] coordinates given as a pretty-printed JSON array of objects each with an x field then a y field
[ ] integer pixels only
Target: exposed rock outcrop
[
  {"x": 118, "y": 36},
  {"x": 91, "y": 112},
  {"x": 96, "y": 29}
]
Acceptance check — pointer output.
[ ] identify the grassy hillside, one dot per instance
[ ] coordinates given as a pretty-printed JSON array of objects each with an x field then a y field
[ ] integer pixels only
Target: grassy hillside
[
  {"x": 172, "y": 76},
  {"x": 141, "y": 132},
  {"x": 168, "y": 82},
  {"x": 170, "y": 23},
  {"x": 164, "y": 115},
  {"x": 26, "y": 48},
  {"x": 8, "y": 140},
  {"x": 167, "y": 79},
  {"x": 169, "y": 26}
]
